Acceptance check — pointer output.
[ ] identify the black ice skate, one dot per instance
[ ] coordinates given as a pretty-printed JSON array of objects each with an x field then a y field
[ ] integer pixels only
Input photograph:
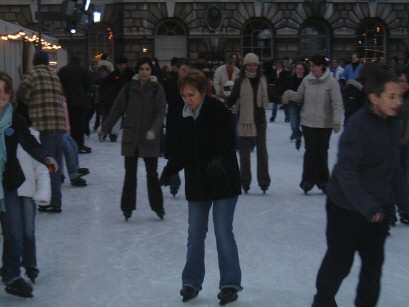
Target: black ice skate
[
  {"x": 188, "y": 293},
  {"x": 246, "y": 188},
  {"x": 32, "y": 274},
  {"x": 264, "y": 188},
  {"x": 227, "y": 295},
  {"x": 19, "y": 288},
  {"x": 404, "y": 219},
  {"x": 174, "y": 191},
  {"x": 127, "y": 215}
]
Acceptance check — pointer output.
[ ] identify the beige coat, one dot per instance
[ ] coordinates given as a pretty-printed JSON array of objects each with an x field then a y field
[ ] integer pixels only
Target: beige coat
[{"x": 321, "y": 100}]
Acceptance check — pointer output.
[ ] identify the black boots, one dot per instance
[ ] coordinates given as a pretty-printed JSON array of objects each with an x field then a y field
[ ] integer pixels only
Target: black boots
[
  {"x": 227, "y": 295},
  {"x": 19, "y": 288},
  {"x": 188, "y": 293},
  {"x": 32, "y": 274}
]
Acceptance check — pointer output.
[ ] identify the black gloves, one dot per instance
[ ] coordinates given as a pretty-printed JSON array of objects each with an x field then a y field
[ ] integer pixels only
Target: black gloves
[
  {"x": 164, "y": 179},
  {"x": 215, "y": 168}
]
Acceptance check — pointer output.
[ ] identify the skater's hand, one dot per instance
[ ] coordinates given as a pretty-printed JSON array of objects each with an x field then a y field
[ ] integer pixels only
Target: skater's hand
[
  {"x": 287, "y": 96},
  {"x": 150, "y": 135},
  {"x": 337, "y": 128},
  {"x": 215, "y": 168},
  {"x": 377, "y": 218},
  {"x": 51, "y": 164},
  {"x": 164, "y": 180},
  {"x": 102, "y": 136}
]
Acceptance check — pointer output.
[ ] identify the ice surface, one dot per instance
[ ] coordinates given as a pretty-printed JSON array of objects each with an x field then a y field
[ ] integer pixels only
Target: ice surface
[{"x": 90, "y": 257}]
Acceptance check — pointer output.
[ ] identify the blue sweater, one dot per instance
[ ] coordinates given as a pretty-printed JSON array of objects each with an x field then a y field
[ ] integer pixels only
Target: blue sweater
[{"x": 367, "y": 167}]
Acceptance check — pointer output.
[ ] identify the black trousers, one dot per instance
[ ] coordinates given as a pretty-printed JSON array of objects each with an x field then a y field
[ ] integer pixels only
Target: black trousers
[
  {"x": 128, "y": 199},
  {"x": 263, "y": 177},
  {"x": 348, "y": 231},
  {"x": 315, "y": 167},
  {"x": 77, "y": 117}
]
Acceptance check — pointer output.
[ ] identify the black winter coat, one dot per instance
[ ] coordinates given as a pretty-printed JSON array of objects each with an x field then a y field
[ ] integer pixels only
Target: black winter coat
[
  {"x": 13, "y": 175},
  {"x": 353, "y": 97},
  {"x": 76, "y": 82},
  {"x": 210, "y": 136},
  {"x": 173, "y": 115}
]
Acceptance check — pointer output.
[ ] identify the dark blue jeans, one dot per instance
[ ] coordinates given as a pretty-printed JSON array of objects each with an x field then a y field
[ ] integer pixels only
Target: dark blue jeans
[
  {"x": 18, "y": 225},
  {"x": 52, "y": 141},
  {"x": 70, "y": 152},
  {"x": 229, "y": 266},
  {"x": 274, "y": 111},
  {"x": 294, "y": 112}
]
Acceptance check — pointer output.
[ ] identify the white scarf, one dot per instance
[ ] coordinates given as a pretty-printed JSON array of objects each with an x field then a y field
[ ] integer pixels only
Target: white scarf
[{"x": 246, "y": 125}]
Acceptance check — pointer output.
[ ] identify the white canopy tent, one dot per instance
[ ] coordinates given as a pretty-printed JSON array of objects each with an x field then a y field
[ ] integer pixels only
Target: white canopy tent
[{"x": 17, "y": 48}]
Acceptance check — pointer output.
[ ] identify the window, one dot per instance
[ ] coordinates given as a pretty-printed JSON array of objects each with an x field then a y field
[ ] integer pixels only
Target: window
[
  {"x": 258, "y": 38},
  {"x": 100, "y": 40},
  {"x": 371, "y": 40},
  {"x": 170, "y": 41}
]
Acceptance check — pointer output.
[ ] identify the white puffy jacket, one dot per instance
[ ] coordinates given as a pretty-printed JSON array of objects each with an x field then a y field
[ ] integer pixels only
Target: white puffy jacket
[{"x": 37, "y": 184}]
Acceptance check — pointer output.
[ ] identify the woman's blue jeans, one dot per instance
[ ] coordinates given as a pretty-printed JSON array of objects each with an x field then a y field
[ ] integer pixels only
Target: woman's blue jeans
[
  {"x": 70, "y": 152},
  {"x": 18, "y": 222},
  {"x": 294, "y": 112},
  {"x": 229, "y": 266}
]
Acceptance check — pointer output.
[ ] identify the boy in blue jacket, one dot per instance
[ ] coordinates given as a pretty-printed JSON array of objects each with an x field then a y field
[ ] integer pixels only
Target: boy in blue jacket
[{"x": 359, "y": 191}]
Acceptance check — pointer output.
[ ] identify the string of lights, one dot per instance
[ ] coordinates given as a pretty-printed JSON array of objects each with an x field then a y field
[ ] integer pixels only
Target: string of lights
[{"x": 33, "y": 38}]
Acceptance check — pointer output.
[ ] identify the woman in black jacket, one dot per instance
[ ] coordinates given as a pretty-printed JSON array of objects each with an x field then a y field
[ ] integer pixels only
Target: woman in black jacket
[
  {"x": 14, "y": 131},
  {"x": 207, "y": 152}
]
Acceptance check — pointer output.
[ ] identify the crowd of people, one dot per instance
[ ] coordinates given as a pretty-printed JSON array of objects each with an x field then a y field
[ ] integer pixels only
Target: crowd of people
[{"x": 200, "y": 118}]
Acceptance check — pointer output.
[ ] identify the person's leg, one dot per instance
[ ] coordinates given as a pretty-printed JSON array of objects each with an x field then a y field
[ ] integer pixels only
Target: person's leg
[
  {"x": 154, "y": 190},
  {"x": 28, "y": 208},
  {"x": 194, "y": 270},
  {"x": 371, "y": 251},
  {"x": 128, "y": 198},
  {"x": 324, "y": 135},
  {"x": 29, "y": 260},
  {"x": 228, "y": 255},
  {"x": 286, "y": 113},
  {"x": 344, "y": 231},
  {"x": 294, "y": 113},
  {"x": 310, "y": 159},
  {"x": 273, "y": 112},
  {"x": 70, "y": 150},
  {"x": 263, "y": 177},
  {"x": 13, "y": 236},
  {"x": 53, "y": 142},
  {"x": 245, "y": 167},
  {"x": 77, "y": 127}
]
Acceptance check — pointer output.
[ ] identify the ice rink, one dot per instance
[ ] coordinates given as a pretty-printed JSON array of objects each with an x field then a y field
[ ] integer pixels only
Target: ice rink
[{"x": 88, "y": 256}]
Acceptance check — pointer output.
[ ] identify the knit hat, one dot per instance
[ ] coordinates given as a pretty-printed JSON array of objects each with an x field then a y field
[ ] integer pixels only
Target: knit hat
[{"x": 250, "y": 58}]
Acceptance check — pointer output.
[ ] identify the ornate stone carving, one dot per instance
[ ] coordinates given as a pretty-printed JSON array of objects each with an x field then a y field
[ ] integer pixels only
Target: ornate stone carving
[{"x": 214, "y": 17}]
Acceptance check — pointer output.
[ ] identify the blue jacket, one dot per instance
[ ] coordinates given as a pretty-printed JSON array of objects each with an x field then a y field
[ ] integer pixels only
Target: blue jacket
[
  {"x": 367, "y": 169},
  {"x": 351, "y": 74}
]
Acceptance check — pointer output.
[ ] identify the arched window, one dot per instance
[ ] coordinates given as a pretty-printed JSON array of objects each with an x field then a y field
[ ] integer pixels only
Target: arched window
[
  {"x": 170, "y": 41},
  {"x": 314, "y": 39},
  {"x": 100, "y": 41},
  {"x": 371, "y": 40},
  {"x": 257, "y": 37}
]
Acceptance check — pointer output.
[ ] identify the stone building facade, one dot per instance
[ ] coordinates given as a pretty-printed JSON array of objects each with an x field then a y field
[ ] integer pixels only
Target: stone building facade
[{"x": 272, "y": 29}]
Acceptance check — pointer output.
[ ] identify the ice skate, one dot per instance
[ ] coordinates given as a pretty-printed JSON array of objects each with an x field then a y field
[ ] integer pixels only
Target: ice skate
[
  {"x": 19, "y": 288},
  {"x": 32, "y": 274},
  {"x": 174, "y": 191},
  {"x": 188, "y": 293},
  {"x": 227, "y": 295}
]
